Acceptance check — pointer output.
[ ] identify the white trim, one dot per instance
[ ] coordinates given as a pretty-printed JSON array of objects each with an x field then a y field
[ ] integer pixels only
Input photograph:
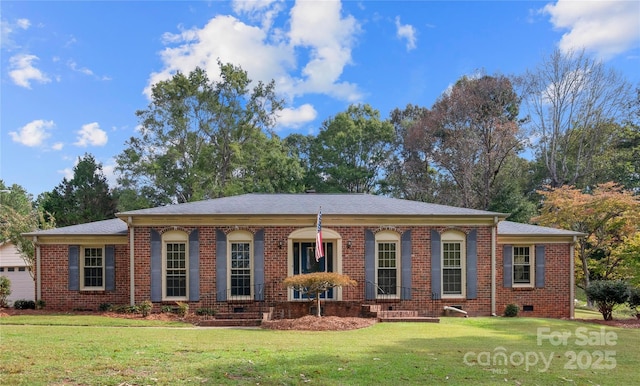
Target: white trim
[
  {"x": 81, "y": 266},
  {"x": 175, "y": 237},
  {"x": 532, "y": 266},
  {"x": 390, "y": 237},
  {"x": 240, "y": 236},
  {"x": 454, "y": 236}
]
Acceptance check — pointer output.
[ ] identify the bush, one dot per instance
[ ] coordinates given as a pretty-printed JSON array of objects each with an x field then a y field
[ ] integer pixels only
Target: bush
[
  {"x": 145, "y": 308},
  {"x": 633, "y": 299},
  {"x": 166, "y": 309},
  {"x": 23, "y": 304},
  {"x": 205, "y": 311},
  {"x": 104, "y": 307},
  {"x": 511, "y": 310},
  {"x": 607, "y": 294},
  {"x": 40, "y": 304},
  {"x": 183, "y": 309},
  {"x": 5, "y": 290}
]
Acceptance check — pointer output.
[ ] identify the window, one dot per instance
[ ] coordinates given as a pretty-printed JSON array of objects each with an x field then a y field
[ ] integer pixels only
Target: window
[
  {"x": 22, "y": 269},
  {"x": 240, "y": 266},
  {"x": 522, "y": 261},
  {"x": 387, "y": 264},
  {"x": 92, "y": 270},
  {"x": 175, "y": 265},
  {"x": 453, "y": 264},
  {"x": 11, "y": 269}
]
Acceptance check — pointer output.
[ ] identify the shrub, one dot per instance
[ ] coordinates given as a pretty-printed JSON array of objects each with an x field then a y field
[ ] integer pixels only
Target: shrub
[
  {"x": 104, "y": 307},
  {"x": 205, "y": 311},
  {"x": 5, "y": 290},
  {"x": 633, "y": 299},
  {"x": 40, "y": 304},
  {"x": 607, "y": 294},
  {"x": 511, "y": 310},
  {"x": 183, "y": 309},
  {"x": 166, "y": 309},
  {"x": 145, "y": 307},
  {"x": 23, "y": 304}
]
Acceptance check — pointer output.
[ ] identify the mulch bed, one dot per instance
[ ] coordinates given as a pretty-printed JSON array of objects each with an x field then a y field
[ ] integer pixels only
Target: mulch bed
[{"x": 305, "y": 323}]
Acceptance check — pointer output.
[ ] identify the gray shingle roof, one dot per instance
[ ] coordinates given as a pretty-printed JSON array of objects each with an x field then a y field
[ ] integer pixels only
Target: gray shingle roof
[
  {"x": 113, "y": 227},
  {"x": 306, "y": 204},
  {"x": 517, "y": 229}
]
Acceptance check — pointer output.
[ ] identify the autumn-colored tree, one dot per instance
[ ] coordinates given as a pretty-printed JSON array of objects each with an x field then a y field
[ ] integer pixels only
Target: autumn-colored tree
[
  {"x": 469, "y": 134},
  {"x": 609, "y": 216},
  {"x": 314, "y": 284}
]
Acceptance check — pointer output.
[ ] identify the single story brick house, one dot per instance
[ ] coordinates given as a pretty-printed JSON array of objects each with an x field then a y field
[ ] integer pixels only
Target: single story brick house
[{"x": 234, "y": 252}]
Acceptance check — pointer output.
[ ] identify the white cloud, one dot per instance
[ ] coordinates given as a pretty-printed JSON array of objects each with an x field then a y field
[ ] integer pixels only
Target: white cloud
[
  {"x": 408, "y": 32},
  {"x": 607, "y": 28},
  {"x": 296, "y": 117},
  {"x": 91, "y": 134},
  {"x": 329, "y": 51},
  {"x": 83, "y": 70},
  {"x": 33, "y": 133},
  {"x": 57, "y": 146},
  {"x": 264, "y": 11},
  {"x": 268, "y": 53},
  {"x": 7, "y": 29},
  {"x": 23, "y": 71}
]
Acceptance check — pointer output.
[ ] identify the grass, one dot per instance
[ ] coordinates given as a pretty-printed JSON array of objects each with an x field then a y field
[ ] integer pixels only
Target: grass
[{"x": 69, "y": 350}]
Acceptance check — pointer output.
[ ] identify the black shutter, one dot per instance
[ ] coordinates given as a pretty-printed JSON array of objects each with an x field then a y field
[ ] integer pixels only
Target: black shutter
[
  {"x": 436, "y": 266},
  {"x": 109, "y": 268},
  {"x": 258, "y": 265},
  {"x": 74, "y": 268},
  {"x": 406, "y": 266},
  {"x": 507, "y": 266},
  {"x": 369, "y": 265},
  {"x": 221, "y": 266},
  {"x": 540, "y": 262},
  {"x": 472, "y": 264},
  {"x": 194, "y": 265},
  {"x": 156, "y": 266}
]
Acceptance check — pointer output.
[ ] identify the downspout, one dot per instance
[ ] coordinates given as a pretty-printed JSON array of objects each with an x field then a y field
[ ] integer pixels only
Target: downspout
[
  {"x": 572, "y": 280},
  {"x": 132, "y": 269},
  {"x": 493, "y": 265},
  {"x": 38, "y": 270}
]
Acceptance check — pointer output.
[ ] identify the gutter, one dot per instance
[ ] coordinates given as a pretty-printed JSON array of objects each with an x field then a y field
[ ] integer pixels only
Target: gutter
[
  {"x": 572, "y": 280},
  {"x": 132, "y": 265},
  {"x": 494, "y": 231},
  {"x": 38, "y": 270}
]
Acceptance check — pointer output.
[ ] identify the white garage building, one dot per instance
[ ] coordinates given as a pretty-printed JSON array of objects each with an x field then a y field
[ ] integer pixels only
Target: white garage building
[{"x": 15, "y": 269}]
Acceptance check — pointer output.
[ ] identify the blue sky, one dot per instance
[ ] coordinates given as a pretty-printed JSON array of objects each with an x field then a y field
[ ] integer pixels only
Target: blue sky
[{"x": 73, "y": 73}]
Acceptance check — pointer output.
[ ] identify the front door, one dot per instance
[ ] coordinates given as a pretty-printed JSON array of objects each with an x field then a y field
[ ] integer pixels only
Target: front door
[{"x": 304, "y": 261}]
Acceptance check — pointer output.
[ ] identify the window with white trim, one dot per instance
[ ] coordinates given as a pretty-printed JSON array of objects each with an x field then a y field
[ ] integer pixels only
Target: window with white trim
[
  {"x": 240, "y": 264},
  {"x": 453, "y": 264},
  {"x": 92, "y": 268},
  {"x": 523, "y": 258},
  {"x": 175, "y": 265},
  {"x": 387, "y": 264}
]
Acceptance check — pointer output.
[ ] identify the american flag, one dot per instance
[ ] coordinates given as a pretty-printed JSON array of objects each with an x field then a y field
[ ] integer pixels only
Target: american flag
[{"x": 319, "y": 248}]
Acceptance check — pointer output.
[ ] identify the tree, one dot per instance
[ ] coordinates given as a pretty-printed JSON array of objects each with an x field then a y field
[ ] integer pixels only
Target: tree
[
  {"x": 607, "y": 294},
  {"x": 200, "y": 139},
  {"x": 571, "y": 98},
  {"x": 470, "y": 132},
  {"x": 351, "y": 150},
  {"x": 84, "y": 198},
  {"x": 318, "y": 282},
  {"x": 17, "y": 216},
  {"x": 410, "y": 174},
  {"x": 609, "y": 216}
]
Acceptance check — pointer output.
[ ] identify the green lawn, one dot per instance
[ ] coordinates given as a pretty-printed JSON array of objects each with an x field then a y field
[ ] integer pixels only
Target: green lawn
[{"x": 89, "y": 350}]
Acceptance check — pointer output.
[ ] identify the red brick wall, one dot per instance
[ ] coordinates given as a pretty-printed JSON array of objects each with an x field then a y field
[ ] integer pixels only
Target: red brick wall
[
  {"x": 55, "y": 284},
  {"x": 550, "y": 301}
]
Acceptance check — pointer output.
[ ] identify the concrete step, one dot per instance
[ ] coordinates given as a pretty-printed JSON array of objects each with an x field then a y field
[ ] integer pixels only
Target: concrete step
[
  {"x": 397, "y": 314},
  {"x": 239, "y": 315},
  {"x": 413, "y": 319},
  {"x": 230, "y": 323}
]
